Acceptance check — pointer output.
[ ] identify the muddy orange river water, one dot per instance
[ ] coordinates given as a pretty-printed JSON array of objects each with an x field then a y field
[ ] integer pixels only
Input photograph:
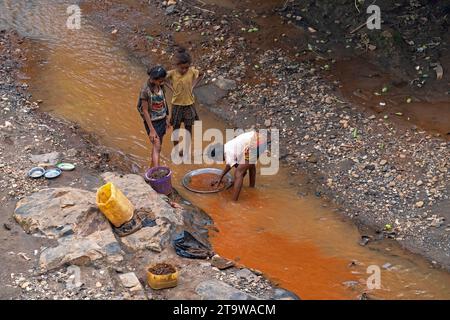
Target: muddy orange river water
[{"x": 302, "y": 243}]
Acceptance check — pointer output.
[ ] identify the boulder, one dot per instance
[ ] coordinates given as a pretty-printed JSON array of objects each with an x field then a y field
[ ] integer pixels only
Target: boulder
[
  {"x": 71, "y": 217},
  {"x": 143, "y": 197},
  {"x": 282, "y": 294},
  {"x": 153, "y": 238},
  {"x": 79, "y": 250},
  {"x": 218, "y": 290},
  {"x": 55, "y": 212},
  {"x": 225, "y": 84}
]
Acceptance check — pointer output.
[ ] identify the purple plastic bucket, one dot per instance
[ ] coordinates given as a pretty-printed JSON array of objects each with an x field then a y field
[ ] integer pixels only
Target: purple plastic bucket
[{"x": 162, "y": 185}]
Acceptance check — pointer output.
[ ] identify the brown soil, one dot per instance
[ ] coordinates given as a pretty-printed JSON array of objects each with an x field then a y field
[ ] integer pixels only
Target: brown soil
[
  {"x": 162, "y": 269},
  {"x": 159, "y": 174},
  {"x": 205, "y": 181}
]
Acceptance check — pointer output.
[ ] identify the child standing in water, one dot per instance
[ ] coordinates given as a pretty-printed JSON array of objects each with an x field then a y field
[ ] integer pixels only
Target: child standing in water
[
  {"x": 183, "y": 79},
  {"x": 154, "y": 111}
]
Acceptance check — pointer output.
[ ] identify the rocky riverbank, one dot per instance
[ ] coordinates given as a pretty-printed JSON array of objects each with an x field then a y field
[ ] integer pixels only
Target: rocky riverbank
[
  {"x": 55, "y": 242},
  {"x": 387, "y": 174}
]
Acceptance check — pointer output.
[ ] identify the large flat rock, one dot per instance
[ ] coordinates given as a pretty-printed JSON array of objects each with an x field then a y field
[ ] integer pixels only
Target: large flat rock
[
  {"x": 57, "y": 212},
  {"x": 80, "y": 250},
  {"x": 71, "y": 217},
  {"x": 218, "y": 290}
]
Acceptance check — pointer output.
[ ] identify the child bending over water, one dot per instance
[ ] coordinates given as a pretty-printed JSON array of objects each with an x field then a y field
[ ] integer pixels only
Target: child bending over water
[
  {"x": 240, "y": 153},
  {"x": 154, "y": 111}
]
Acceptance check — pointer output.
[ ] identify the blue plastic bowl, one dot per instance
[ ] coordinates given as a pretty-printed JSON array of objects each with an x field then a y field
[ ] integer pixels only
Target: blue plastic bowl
[
  {"x": 36, "y": 173},
  {"x": 52, "y": 173}
]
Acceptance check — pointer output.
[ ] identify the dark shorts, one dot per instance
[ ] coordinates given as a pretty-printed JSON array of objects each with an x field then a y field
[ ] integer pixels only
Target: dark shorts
[
  {"x": 183, "y": 114},
  {"x": 160, "y": 128}
]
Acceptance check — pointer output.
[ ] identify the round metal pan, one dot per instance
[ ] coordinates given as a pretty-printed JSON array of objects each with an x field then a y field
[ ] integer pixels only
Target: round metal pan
[{"x": 187, "y": 178}]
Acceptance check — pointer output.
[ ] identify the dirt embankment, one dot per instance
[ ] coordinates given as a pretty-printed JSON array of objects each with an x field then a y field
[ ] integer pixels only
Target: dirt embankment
[{"x": 382, "y": 169}]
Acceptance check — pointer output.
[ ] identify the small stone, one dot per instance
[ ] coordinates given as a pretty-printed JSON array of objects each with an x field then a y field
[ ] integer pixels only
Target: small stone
[
  {"x": 387, "y": 266},
  {"x": 437, "y": 222},
  {"x": 419, "y": 183},
  {"x": 312, "y": 159},
  {"x": 383, "y": 162},
  {"x": 350, "y": 284},
  {"x": 419, "y": 204},
  {"x": 221, "y": 263},
  {"x": 129, "y": 280},
  {"x": 268, "y": 122},
  {"x": 170, "y": 9},
  {"x": 71, "y": 153}
]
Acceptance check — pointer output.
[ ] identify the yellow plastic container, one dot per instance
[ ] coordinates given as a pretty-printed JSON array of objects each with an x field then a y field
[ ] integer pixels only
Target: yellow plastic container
[
  {"x": 158, "y": 282},
  {"x": 114, "y": 205}
]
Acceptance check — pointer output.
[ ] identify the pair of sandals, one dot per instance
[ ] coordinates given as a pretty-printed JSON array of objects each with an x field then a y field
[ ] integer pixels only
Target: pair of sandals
[{"x": 141, "y": 218}]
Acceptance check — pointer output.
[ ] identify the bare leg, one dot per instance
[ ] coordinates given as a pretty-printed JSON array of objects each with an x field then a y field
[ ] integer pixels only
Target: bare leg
[
  {"x": 156, "y": 150},
  {"x": 252, "y": 171},
  {"x": 177, "y": 136},
  {"x": 188, "y": 141},
  {"x": 239, "y": 174}
]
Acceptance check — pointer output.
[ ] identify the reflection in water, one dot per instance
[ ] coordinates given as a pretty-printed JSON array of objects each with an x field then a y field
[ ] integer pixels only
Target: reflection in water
[{"x": 299, "y": 242}]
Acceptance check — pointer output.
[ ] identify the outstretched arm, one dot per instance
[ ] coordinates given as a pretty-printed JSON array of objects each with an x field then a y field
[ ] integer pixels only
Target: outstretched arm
[{"x": 224, "y": 172}]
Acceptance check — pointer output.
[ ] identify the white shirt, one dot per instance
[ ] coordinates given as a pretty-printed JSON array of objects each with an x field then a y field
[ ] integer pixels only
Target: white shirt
[{"x": 234, "y": 149}]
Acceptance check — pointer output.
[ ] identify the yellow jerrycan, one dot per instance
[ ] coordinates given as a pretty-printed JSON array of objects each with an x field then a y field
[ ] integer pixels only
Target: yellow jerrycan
[{"x": 114, "y": 205}]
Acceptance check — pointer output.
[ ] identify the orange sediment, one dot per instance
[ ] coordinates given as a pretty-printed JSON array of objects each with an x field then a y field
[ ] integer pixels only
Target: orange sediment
[{"x": 205, "y": 182}]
